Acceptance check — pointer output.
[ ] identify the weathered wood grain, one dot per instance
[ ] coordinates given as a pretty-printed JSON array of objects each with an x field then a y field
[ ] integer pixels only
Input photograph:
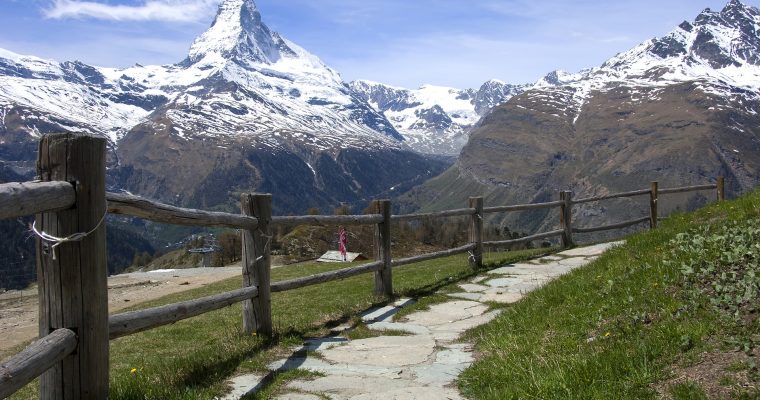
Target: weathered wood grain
[
  {"x": 326, "y": 220},
  {"x": 29, "y": 198},
  {"x": 633, "y": 193},
  {"x": 476, "y": 232},
  {"x": 538, "y": 236},
  {"x": 34, "y": 360},
  {"x": 136, "y": 206},
  {"x": 137, "y": 321},
  {"x": 292, "y": 284},
  {"x": 566, "y": 218},
  {"x": 653, "y": 195},
  {"x": 257, "y": 264},
  {"x": 440, "y": 214},
  {"x": 686, "y": 189},
  {"x": 72, "y": 290},
  {"x": 612, "y": 226},
  {"x": 384, "y": 276},
  {"x": 523, "y": 207},
  {"x": 433, "y": 256}
]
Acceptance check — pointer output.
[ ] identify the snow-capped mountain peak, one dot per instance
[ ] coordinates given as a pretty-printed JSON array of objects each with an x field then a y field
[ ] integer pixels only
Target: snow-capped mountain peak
[
  {"x": 239, "y": 34},
  {"x": 719, "y": 50},
  {"x": 435, "y": 119},
  {"x": 241, "y": 81}
]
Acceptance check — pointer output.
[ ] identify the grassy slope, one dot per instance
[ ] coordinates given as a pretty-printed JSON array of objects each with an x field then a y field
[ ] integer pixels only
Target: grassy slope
[
  {"x": 615, "y": 329},
  {"x": 192, "y": 359}
]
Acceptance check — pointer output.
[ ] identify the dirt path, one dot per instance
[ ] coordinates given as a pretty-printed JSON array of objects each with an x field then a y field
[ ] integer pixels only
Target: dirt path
[{"x": 18, "y": 315}]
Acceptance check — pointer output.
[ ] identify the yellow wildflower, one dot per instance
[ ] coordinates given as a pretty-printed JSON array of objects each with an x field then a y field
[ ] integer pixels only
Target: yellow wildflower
[
  {"x": 133, "y": 370},
  {"x": 606, "y": 334}
]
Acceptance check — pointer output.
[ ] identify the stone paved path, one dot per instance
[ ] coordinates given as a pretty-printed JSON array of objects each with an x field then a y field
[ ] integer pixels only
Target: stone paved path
[{"x": 423, "y": 364}]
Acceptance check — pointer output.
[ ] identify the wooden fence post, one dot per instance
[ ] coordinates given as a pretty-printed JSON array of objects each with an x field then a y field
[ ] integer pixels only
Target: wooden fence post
[
  {"x": 653, "y": 195},
  {"x": 721, "y": 188},
  {"x": 476, "y": 232},
  {"x": 566, "y": 218},
  {"x": 384, "y": 276},
  {"x": 257, "y": 262},
  {"x": 71, "y": 276}
]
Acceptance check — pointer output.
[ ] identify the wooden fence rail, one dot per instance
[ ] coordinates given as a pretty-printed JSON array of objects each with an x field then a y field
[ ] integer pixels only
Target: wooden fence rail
[
  {"x": 322, "y": 220},
  {"x": 432, "y": 256},
  {"x": 72, "y": 354},
  {"x": 612, "y": 196},
  {"x": 29, "y": 198},
  {"x": 324, "y": 277},
  {"x": 33, "y": 361},
  {"x": 137, "y": 321},
  {"x": 523, "y": 207},
  {"x": 440, "y": 214},
  {"x": 526, "y": 239},
  {"x": 688, "y": 189},
  {"x": 610, "y": 227},
  {"x": 136, "y": 206}
]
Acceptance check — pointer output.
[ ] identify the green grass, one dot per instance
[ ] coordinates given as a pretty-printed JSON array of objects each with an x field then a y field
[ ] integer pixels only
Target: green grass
[
  {"x": 618, "y": 327},
  {"x": 192, "y": 359},
  {"x": 687, "y": 391}
]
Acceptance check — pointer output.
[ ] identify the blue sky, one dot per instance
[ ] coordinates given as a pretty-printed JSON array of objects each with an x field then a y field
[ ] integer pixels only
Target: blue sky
[{"x": 399, "y": 42}]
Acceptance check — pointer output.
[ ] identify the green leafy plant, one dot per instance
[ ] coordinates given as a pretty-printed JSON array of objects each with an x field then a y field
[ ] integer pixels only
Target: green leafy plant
[{"x": 720, "y": 265}]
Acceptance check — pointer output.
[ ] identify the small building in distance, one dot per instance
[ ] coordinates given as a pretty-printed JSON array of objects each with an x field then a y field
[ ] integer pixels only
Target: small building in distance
[
  {"x": 334, "y": 256},
  {"x": 205, "y": 253}
]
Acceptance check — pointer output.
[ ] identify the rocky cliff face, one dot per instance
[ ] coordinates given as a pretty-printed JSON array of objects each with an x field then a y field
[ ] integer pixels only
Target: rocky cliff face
[{"x": 681, "y": 110}]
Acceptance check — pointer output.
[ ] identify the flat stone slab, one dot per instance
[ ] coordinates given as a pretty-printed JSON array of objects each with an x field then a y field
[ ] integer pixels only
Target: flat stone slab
[
  {"x": 320, "y": 366},
  {"x": 504, "y": 282},
  {"x": 424, "y": 364},
  {"x": 525, "y": 269},
  {"x": 573, "y": 262},
  {"x": 345, "y": 387},
  {"x": 325, "y": 343},
  {"x": 446, "y": 313},
  {"x": 472, "y": 287},
  {"x": 242, "y": 385},
  {"x": 589, "y": 251},
  {"x": 439, "y": 375},
  {"x": 521, "y": 288},
  {"x": 540, "y": 271},
  {"x": 383, "y": 351},
  {"x": 448, "y": 364},
  {"x": 298, "y": 396},
  {"x": 416, "y": 393},
  {"x": 458, "y": 327},
  {"x": 503, "y": 298},
  {"x": 385, "y": 313},
  {"x": 399, "y": 326},
  {"x": 475, "y": 296}
]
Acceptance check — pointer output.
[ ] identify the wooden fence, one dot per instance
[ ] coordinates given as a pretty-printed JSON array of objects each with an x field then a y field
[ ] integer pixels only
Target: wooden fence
[{"x": 70, "y": 204}]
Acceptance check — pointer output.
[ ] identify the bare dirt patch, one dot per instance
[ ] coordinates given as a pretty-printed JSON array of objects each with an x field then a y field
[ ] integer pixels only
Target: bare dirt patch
[{"x": 720, "y": 374}]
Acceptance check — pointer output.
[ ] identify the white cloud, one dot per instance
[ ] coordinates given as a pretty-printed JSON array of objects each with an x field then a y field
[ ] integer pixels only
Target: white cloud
[{"x": 149, "y": 10}]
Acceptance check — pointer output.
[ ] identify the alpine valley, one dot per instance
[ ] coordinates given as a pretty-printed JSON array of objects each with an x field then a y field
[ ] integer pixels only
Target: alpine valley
[
  {"x": 248, "y": 110},
  {"x": 681, "y": 109}
]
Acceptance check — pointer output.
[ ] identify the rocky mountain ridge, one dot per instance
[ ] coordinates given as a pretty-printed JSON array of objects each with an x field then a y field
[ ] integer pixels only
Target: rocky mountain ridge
[
  {"x": 435, "y": 119},
  {"x": 681, "y": 109}
]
